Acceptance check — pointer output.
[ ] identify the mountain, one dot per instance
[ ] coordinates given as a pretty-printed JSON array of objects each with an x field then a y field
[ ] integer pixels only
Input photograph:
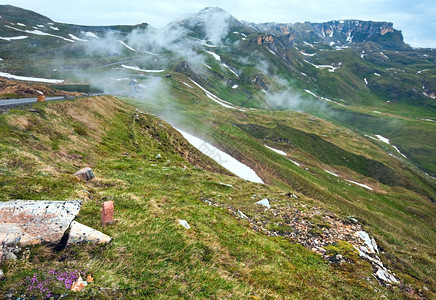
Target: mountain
[{"x": 336, "y": 120}]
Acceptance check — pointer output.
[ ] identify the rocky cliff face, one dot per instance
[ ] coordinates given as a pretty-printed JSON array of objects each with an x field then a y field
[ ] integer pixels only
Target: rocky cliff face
[{"x": 338, "y": 33}]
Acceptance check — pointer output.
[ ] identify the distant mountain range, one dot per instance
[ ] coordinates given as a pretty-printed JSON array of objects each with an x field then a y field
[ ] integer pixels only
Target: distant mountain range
[{"x": 344, "y": 64}]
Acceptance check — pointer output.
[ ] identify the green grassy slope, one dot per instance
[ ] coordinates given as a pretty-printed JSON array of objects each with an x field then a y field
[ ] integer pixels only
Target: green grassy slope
[
  {"x": 151, "y": 255},
  {"x": 399, "y": 216}
]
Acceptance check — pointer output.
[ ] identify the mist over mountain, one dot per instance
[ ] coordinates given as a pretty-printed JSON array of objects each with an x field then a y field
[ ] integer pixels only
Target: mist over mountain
[{"x": 244, "y": 159}]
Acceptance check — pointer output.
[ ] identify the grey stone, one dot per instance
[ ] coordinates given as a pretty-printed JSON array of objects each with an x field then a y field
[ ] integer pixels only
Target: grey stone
[
  {"x": 85, "y": 174},
  {"x": 11, "y": 256},
  {"x": 2, "y": 275},
  {"x": 32, "y": 222},
  {"x": 80, "y": 233}
]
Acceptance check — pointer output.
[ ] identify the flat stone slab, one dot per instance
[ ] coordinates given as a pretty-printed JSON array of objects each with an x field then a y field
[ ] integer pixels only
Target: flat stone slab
[
  {"x": 80, "y": 233},
  {"x": 31, "y": 222}
]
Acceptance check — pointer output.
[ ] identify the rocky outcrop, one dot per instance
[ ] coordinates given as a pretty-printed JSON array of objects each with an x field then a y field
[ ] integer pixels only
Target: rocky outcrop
[
  {"x": 265, "y": 38},
  {"x": 333, "y": 33},
  {"x": 316, "y": 229},
  {"x": 31, "y": 222},
  {"x": 27, "y": 222}
]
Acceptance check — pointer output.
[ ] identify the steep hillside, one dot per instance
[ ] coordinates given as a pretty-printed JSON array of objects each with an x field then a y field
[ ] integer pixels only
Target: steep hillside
[{"x": 222, "y": 255}]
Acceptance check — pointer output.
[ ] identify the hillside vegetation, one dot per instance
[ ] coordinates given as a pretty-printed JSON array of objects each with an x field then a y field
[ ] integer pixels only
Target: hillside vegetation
[{"x": 151, "y": 254}]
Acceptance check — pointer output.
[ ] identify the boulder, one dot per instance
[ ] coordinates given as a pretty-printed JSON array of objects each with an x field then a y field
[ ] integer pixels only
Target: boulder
[
  {"x": 80, "y": 233},
  {"x": 85, "y": 174},
  {"x": 31, "y": 222}
]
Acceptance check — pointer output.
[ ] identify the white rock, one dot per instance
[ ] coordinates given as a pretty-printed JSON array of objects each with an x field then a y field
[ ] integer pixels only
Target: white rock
[
  {"x": 242, "y": 215},
  {"x": 368, "y": 242},
  {"x": 264, "y": 202},
  {"x": 184, "y": 224},
  {"x": 385, "y": 276},
  {"x": 81, "y": 233}
]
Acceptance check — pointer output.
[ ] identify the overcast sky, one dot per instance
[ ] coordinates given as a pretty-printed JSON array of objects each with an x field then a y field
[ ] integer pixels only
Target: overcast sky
[{"x": 416, "y": 18}]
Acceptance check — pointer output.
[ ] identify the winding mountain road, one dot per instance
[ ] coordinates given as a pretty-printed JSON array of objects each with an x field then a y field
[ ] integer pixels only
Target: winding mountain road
[{"x": 19, "y": 101}]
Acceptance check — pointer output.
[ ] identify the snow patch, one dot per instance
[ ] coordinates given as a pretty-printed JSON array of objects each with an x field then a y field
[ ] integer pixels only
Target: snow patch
[
  {"x": 235, "y": 86},
  {"x": 313, "y": 94},
  {"x": 222, "y": 158},
  {"x": 38, "y": 32},
  {"x": 216, "y": 56},
  {"x": 377, "y": 74},
  {"x": 188, "y": 85},
  {"x": 271, "y": 51},
  {"x": 331, "y": 173},
  {"x": 366, "y": 81},
  {"x": 21, "y": 24},
  {"x": 227, "y": 67},
  {"x": 276, "y": 150},
  {"x": 399, "y": 151},
  {"x": 54, "y": 28},
  {"x": 330, "y": 67},
  {"x": 76, "y": 38},
  {"x": 295, "y": 163},
  {"x": 216, "y": 98},
  {"x": 24, "y": 78},
  {"x": 13, "y": 38},
  {"x": 360, "y": 184},
  {"x": 135, "y": 68},
  {"x": 127, "y": 46},
  {"x": 307, "y": 54},
  {"x": 306, "y": 43},
  {"x": 384, "y": 55},
  {"x": 383, "y": 139},
  {"x": 89, "y": 34}
]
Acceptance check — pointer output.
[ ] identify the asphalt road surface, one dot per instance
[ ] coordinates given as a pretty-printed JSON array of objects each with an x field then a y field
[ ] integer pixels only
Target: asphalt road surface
[{"x": 13, "y": 102}]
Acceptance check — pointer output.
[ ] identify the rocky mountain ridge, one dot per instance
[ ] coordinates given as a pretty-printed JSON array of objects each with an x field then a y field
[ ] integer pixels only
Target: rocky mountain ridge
[{"x": 338, "y": 33}]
